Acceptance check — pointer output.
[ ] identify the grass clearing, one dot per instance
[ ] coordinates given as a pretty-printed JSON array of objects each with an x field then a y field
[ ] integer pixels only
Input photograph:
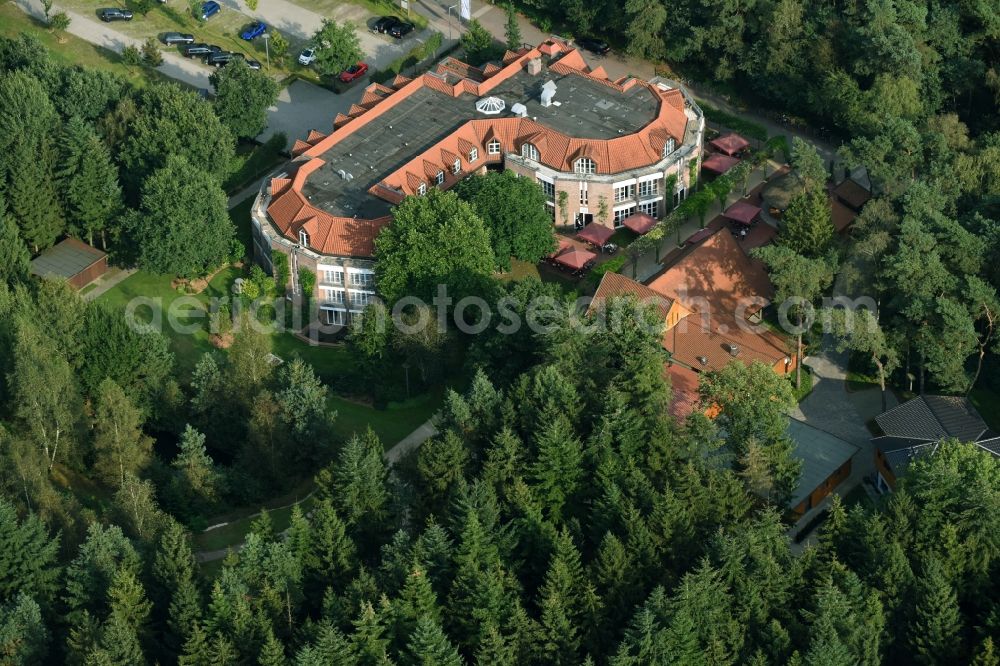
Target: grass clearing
[
  {"x": 236, "y": 532},
  {"x": 254, "y": 161},
  {"x": 523, "y": 269},
  {"x": 69, "y": 50},
  {"x": 391, "y": 424}
]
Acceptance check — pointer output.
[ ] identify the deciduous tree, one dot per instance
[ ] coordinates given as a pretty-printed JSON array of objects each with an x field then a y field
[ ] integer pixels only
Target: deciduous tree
[
  {"x": 337, "y": 47},
  {"x": 242, "y": 98}
]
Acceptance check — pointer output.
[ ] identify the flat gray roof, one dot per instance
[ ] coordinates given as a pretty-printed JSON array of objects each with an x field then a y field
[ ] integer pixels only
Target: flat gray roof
[
  {"x": 821, "y": 453},
  {"x": 66, "y": 259},
  {"x": 587, "y": 109}
]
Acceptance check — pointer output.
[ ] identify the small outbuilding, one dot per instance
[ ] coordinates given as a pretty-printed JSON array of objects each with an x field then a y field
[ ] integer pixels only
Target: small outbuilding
[
  {"x": 826, "y": 463},
  {"x": 75, "y": 261}
]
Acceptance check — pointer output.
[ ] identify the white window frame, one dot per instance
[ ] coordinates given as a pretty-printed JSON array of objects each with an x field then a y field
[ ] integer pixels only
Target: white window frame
[
  {"x": 456, "y": 168},
  {"x": 651, "y": 187},
  {"x": 303, "y": 238},
  {"x": 332, "y": 314},
  {"x": 473, "y": 155},
  {"x": 333, "y": 295},
  {"x": 669, "y": 146},
  {"x": 360, "y": 298},
  {"x": 548, "y": 188},
  {"x": 583, "y": 193},
  {"x": 620, "y": 213},
  {"x": 493, "y": 147},
  {"x": 422, "y": 189},
  {"x": 439, "y": 178},
  {"x": 360, "y": 277},
  {"x": 625, "y": 193},
  {"x": 529, "y": 151},
  {"x": 332, "y": 275},
  {"x": 585, "y": 165},
  {"x": 651, "y": 207}
]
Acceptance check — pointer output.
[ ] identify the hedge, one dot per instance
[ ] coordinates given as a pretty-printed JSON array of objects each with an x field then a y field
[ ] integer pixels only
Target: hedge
[{"x": 748, "y": 128}]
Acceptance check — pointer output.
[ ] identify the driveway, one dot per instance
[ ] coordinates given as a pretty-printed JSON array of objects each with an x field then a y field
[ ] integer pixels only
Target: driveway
[{"x": 174, "y": 65}]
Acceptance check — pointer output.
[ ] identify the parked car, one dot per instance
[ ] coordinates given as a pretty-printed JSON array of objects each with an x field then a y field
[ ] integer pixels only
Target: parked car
[
  {"x": 113, "y": 14},
  {"x": 255, "y": 30},
  {"x": 593, "y": 45},
  {"x": 201, "y": 50},
  {"x": 307, "y": 57},
  {"x": 210, "y": 9},
  {"x": 400, "y": 29},
  {"x": 221, "y": 58},
  {"x": 354, "y": 72},
  {"x": 384, "y": 23},
  {"x": 253, "y": 64},
  {"x": 171, "y": 38}
]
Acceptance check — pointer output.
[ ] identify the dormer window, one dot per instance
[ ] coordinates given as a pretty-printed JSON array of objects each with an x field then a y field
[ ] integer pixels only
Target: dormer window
[
  {"x": 584, "y": 165},
  {"x": 493, "y": 147},
  {"x": 422, "y": 189},
  {"x": 303, "y": 238},
  {"x": 439, "y": 178},
  {"x": 456, "y": 168},
  {"x": 529, "y": 152},
  {"x": 669, "y": 146},
  {"x": 473, "y": 155}
]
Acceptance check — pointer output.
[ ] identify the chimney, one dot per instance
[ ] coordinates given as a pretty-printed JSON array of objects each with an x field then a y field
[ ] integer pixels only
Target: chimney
[
  {"x": 703, "y": 360},
  {"x": 734, "y": 350},
  {"x": 535, "y": 66},
  {"x": 548, "y": 92}
]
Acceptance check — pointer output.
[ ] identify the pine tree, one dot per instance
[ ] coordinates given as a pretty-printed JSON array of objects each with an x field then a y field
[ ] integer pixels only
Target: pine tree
[
  {"x": 807, "y": 224},
  {"x": 88, "y": 181},
  {"x": 558, "y": 467},
  {"x": 512, "y": 31},
  {"x": 175, "y": 593},
  {"x": 936, "y": 627},
  {"x": 333, "y": 557},
  {"x": 495, "y": 649},
  {"x": 272, "y": 653},
  {"x": 368, "y": 643},
  {"x": 15, "y": 262},
  {"x": 31, "y": 183},
  {"x": 196, "y": 649},
  {"x": 416, "y": 601},
  {"x": 120, "y": 446},
  {"x": 429, "y": 646},
  {"x": 197, "y": 476},
  {"x": 28, "y": 556},
  {"x": 986, "y": 654}
]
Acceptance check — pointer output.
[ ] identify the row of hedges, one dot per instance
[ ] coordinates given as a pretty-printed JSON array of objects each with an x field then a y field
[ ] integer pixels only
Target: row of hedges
[
  {"x": 416, "y": 56},
  {"x": 610, "y": 266},
  {"x": 747, "y": 128}
]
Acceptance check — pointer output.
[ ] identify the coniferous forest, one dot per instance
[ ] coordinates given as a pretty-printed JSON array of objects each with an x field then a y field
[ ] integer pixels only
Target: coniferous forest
[{"x": 560, "y": 515}]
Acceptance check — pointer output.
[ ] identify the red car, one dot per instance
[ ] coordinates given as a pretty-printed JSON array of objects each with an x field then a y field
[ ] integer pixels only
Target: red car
[{"x": 354, "y": 72}]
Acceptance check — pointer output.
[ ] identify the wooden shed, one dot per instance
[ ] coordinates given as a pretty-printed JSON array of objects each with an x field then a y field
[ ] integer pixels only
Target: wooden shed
[{"x": 79, "y": 263}]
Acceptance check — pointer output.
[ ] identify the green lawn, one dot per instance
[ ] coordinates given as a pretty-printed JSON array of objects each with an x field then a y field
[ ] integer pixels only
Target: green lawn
[
  {"x": 240, "y": 215},
  {"x": 186, "y": 310},
  {"x": 522, "y": 269},
  {"x": 236, "y": 531},
  {"x": 253, "y": 161},
  {"x": 392, "y": 423},
  {"x": 70, "y": 50}
]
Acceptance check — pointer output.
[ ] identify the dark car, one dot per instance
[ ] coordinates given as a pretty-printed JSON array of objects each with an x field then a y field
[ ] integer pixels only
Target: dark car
[
  {"x": 384, "y": 23},
  {"x": 593, "y": 45},
  {"x": 253, "y": 64},
  {"x": 221, "y": 58},
  {"x": 201, "y": 50},
  {"x": 171, "y": 38},
  {"x": 400, "y": 29},
  {"x": 254, "y": 30},
  {"x": 113, "y": 14},
  {"x": 210, "y": 9}
]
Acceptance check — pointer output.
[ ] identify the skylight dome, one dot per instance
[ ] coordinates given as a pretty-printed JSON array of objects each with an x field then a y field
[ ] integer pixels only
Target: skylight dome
[{"x": 490, "y": 105}]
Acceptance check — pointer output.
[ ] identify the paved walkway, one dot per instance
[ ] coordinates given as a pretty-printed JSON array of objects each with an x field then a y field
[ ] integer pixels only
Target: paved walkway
[{"x": 108, "y": 281}]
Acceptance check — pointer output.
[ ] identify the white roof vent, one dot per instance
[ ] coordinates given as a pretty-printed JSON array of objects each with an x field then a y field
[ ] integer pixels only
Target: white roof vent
[
  {"x": 548, "y": 92},
  {"x": 490, "y": 105},
  {"x": 519, "y": 110}
]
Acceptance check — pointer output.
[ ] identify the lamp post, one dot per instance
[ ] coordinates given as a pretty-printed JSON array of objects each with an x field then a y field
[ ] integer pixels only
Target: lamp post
[
  {"x": 267, "y": 50},
  {"x": 449, "y": 20}
]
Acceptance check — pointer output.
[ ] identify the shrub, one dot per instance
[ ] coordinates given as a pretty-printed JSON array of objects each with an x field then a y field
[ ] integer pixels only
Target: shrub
[
  {"x": 278, "y": 45},
  {"x": 610, "y": 266},
  {"x": 748, "y": 128},
  {"x": 151, "y": 53},
  {"x": 131, "y": 55},
  {"x": 237, "y": 251},
  {"x": 59, "y": 21}
]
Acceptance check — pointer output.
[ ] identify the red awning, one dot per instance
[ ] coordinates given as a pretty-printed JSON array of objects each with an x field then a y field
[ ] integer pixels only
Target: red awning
[
  {"x": 730, "y": 144},
  {"x": 575, "y": 259},
  {"x": 719, "y": 163},
  {"x": 598, "y": 234},
  {"x": 564, "y": 245},
  {"x": 640, "y": 223},
  {"x": 742, "y": 212},
  {"x": 699, "y": 236}
]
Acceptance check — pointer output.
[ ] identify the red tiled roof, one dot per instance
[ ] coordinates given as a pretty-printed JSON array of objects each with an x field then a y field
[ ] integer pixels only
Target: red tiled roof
[
  {"x": 717, "y": 275},
  {"x": 852, "y": 194},
  {"x": 341, "y": 120},
  {"x": 615, "y": 285},
  {"x": 300, "y": 147},
  {"x": 684, "y": 387},
  {"x": 315, "y": 136},
  {"x": 691, "y": 340}
]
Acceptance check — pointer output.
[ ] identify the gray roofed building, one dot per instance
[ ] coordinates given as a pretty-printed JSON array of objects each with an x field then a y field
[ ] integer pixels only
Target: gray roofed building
[
  {"x": 825, "y": 463},
  {"x": 914, "y": 429}
]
